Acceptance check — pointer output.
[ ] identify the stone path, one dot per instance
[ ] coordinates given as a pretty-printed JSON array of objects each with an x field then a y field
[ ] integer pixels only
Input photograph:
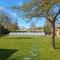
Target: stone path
[{"x": 32, "y": 54}]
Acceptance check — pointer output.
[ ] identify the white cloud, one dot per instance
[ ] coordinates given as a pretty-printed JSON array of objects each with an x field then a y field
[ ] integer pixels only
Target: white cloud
[
  {"x": 20, "y": 3},
  {"x": 14, "y": 14},
  {"x": 2, "y": 8}
]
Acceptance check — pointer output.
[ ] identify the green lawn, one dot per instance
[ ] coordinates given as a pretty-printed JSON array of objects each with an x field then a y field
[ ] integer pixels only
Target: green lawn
[{"x": 24, "y": 46}]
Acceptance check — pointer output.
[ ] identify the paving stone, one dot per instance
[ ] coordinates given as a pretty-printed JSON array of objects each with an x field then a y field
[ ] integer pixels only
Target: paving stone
[
  {"x": 27, "y": 58},
  {"x": 34, "y": 54}
]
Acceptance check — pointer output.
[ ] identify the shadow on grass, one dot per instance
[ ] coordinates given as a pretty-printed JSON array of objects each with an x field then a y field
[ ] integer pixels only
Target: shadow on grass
[
  {"x": 6, "y": 53},
  {"x": 57, "y": 47},
  {"x": 3, "y": 35}
]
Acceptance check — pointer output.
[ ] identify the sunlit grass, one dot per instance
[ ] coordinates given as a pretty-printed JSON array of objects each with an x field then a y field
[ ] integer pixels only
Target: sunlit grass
[{"x": 24, "y": 45}]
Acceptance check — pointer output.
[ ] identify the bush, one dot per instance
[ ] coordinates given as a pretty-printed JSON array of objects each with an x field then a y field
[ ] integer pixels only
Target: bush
[{"x": 3, "y": 30}]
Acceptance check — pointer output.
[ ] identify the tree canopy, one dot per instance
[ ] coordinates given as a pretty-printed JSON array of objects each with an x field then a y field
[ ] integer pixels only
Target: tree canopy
[
  {"x": 6, "y": 22},
  {"x": 38, "y": 8}
]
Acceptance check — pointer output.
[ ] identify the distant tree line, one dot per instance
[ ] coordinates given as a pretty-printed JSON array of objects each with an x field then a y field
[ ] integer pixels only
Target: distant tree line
[
  {"x": 3, "y": 30},
  {"x": 6, "y": 25}
]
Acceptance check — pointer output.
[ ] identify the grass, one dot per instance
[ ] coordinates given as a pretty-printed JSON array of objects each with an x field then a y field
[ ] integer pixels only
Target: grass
[{"x": 24, "y": 44}]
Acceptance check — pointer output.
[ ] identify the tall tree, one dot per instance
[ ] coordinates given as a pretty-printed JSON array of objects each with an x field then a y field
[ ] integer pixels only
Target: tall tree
[
  {"x": 4, "y": 18},
  {"x": 38, "y": 8},
  {"x": 5, "y": 22}
]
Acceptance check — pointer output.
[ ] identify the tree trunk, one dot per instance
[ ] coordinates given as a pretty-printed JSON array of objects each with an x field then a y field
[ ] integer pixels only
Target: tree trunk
[{"x": 53, "y": 35}]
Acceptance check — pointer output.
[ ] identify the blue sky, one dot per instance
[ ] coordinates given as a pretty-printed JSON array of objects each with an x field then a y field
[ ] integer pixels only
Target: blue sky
[
  {"x": 8, "y": 3},
  {"x": 4, "y": 4}
]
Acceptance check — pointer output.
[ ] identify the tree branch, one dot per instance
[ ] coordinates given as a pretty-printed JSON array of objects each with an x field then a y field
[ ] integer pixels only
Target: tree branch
[
  {"x": 46, "y": 15},
  {"x": 56, "y": 15}
]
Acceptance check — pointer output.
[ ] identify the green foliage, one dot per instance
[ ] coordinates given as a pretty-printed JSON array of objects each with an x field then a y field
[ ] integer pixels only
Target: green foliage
[
  {"x": 6, "y": 21},
  {"x": 47, "y": 27},
  {"x": 47, "y": 30},
  {"x": 3, "y": 30},
  {"x": 38, "y": 8}
]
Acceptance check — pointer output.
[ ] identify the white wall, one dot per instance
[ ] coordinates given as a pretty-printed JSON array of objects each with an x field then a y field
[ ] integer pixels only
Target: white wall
[{"x": 27, "y": 33}]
